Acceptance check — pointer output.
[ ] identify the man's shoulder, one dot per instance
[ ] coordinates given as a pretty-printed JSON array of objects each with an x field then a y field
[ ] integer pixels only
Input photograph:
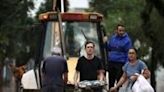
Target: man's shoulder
[
  {"x": 55, "y": 58},
  {"x": 127, "y": 36},
  {"x": 113, "y": 36},
  {"x": 81, "y": 58},
  {"x": 97, "y": 58}
]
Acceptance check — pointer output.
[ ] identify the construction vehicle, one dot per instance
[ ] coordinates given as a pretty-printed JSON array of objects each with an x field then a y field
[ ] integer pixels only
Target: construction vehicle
[{"x": 69, "y": 31}]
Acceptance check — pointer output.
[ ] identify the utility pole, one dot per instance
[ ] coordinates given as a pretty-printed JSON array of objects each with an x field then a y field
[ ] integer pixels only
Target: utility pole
[
  {"x": 60, "y": 24},
  {"x": 54, "y": 5},
  {"x": 62, "y": 5},
  {"x": 55, "y": 8}
]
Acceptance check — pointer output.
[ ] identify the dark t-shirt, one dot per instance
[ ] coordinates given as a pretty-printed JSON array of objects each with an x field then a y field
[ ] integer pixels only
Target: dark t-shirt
[
  {"x": 53, "y": 69},
  {"x": 89, "y": 68}
]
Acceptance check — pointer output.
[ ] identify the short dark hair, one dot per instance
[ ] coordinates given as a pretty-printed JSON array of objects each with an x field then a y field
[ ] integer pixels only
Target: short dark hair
[
  {"x": 119, "y": 25},
  {"x": 134, "y": 49},
  {"x": 88, "y": 42}
]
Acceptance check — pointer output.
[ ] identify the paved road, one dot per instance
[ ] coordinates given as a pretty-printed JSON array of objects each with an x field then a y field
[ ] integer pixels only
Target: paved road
[
  {"x": 9, "y": 86},
  {"x": 160, "y": 79}
]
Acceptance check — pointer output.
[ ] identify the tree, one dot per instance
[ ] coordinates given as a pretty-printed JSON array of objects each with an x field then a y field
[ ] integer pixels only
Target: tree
[
  {"x": 48, "y": 6},
  {"x": 153, "y": 19},
  {"x": 13, "y": 22}
]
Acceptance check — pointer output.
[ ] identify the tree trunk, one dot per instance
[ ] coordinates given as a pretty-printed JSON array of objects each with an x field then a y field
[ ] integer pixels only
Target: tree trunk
[{"x": 153, "y": 68}]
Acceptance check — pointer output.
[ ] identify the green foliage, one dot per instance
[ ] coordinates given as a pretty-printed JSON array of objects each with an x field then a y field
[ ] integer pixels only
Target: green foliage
[
  {"x": 155, "y": 34},
  {"x": 48, "y": 6},
  {"x": 14, "y": 22}
]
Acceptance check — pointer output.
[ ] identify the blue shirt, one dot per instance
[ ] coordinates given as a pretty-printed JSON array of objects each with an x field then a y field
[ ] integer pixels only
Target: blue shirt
[
  {"x": 132, "y": 69},
  {"x": 118, "y": 47},
  {"x": 53, "y": 69}
]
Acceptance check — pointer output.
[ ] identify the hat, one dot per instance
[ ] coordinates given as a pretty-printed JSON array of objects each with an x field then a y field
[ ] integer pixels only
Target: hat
[{"x": 56, "y": 51}]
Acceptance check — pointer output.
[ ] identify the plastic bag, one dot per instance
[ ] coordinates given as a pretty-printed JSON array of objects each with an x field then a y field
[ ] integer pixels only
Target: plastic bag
[
  {"x": 29, "y": 80},
  {"x": 142, "y": 85}
]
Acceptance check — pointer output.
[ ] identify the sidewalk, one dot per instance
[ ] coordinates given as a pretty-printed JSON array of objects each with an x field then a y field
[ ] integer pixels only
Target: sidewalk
[{"x": 9, "y": 87}]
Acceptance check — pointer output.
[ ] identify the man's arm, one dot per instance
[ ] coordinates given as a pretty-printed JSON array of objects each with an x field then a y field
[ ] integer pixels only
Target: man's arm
[
  {"x": 120, "y": 82},
  {"x": 65, "y": 73},
  {"x": 65, "y": 77},
  {"x": 101, "y": 74},
  {"x": 101, "y": 70},
  {"x": 76, "y": 77}
]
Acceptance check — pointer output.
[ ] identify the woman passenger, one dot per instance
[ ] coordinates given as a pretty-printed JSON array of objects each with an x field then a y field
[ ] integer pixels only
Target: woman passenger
[{"x": 131, "y": 70}]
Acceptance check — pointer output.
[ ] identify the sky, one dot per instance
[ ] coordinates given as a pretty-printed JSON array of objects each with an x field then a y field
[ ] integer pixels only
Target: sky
[
  {"x": 36, "y": 6},
  {"x": 78, "y": 3},
  {"x": 72, "y": 4}
]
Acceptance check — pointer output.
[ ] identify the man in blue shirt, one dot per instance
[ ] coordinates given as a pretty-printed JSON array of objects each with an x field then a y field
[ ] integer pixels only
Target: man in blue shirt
[
  {"x": 55, "y": 72},
  {"x": 117, "y": 46}
]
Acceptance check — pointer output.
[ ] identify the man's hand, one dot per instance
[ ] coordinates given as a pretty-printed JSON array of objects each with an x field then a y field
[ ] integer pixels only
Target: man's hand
[
  {"x": 113, "y": 89},
  {"x": 105, "y": 39},
  {"x": 65, "y": 78},
  {"x": 76, "y": 85}
]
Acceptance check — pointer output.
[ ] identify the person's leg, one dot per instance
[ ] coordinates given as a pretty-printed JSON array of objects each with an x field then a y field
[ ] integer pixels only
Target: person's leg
[
  {"x": 59, "y": 89},
  {"x": 112, "y": 75},
  {"x": 52, "y": 88},
  {"x": 46, "y": 89},
  {"x": 119, "y": 72}
]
